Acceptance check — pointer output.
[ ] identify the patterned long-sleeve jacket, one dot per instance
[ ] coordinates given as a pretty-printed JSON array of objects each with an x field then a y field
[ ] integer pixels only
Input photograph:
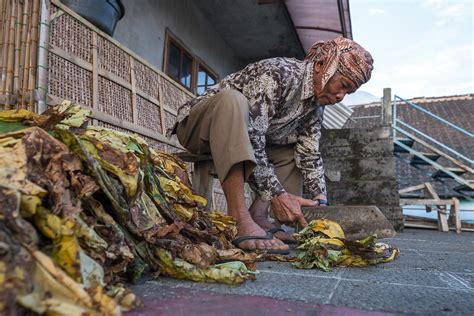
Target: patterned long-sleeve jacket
[{"x": 283, "y": 110}]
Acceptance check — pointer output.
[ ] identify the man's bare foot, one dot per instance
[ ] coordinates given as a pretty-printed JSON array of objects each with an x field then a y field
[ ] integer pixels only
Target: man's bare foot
[
  {"x": 266, "y": 225},
  {"x": 250, "y": 228},
  {"x": 233, "y": 187},
  {"x": 259, "y": 213}
]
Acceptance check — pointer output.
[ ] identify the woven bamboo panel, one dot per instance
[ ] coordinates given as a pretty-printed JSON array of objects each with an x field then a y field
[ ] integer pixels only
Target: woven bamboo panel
[
  {"x": 115, "y": 100},
  {"x": 147, "y": 80},
  {"x": 53, "y": 9},
  {"x": 148, "y": 114},
  {"x": 173, "y": 96},
  {"x": 218, "y": 198},
  {"x": 172, "y": 149},
  {"x": 170, "y": 120},
  {"x": 68, "y": 81},
  {"x": 115, "y": 128},
  {"x": 124, "y": 86},
  {"x": 114, "y": 59},
  {"x": 70, "y": 35},
  {"x": 156, "y": 145}
]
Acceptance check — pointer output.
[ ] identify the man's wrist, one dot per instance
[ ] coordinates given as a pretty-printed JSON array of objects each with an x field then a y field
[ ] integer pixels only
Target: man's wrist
[
  {"x": 322, "y": 202},
  {"x": 321, "y": 199}
]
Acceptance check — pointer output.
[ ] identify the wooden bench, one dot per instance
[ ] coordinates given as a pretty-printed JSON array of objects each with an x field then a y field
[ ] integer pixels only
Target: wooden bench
[{"x": 203, "y": 175}]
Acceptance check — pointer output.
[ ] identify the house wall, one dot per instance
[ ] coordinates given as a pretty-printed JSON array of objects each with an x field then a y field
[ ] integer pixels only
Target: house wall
[
  {"x": 143, "y": 29},
  {"x": 360, "y": 169}
]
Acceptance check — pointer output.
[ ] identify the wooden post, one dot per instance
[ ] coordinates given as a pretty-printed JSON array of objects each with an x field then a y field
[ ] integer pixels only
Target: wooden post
[
  {"x": 16, "y": 58},
  {"x": 134, "y": 91},
  {"x": 442, "y": 219},
  {"x": 95, "y": 71},
  {"x": 162, "y": 106},
  {"x": 387, "y": 106},
  {"x": 34, "y": 48},
  {"x": 455, "y": 210},
  {"x": 42, "y": 58},
  {"x": 203, "y": 181}
]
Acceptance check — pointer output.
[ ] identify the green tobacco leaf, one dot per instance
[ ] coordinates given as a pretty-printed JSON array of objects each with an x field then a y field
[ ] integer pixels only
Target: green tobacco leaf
[
  {"x": 180, "y": 269},
  {"x": 320, "y": 246}
]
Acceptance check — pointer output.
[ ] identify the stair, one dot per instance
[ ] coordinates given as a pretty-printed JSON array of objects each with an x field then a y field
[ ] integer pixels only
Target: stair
[
  {"x": 465, "y": 188},
  {"x": 457, "y": 178},
  {"x": 415, "y": 160},
  {"x": 405, "y": 141},
  {"x": 443, "y": 174}
]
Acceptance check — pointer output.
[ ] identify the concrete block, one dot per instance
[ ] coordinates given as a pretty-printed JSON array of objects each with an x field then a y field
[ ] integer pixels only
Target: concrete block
[
  {"x": 369, "y": 149},
  {"x": 363, "y": 193},
  {"x": 346, "y": 136},
  {"x": 344, "y": 169},
  {"x": 357, "y": 221}
]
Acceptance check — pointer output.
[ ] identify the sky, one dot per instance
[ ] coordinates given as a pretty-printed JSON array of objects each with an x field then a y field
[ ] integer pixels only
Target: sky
[{"x": 420, "y": 47}]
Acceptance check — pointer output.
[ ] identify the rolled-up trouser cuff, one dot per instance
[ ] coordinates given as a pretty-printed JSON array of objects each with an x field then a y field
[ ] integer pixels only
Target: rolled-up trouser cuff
[{"x": 241, "y": 153}]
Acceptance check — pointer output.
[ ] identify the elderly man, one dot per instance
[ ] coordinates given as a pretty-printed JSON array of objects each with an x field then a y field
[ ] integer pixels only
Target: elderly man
[{"x": 262, "y": 125}]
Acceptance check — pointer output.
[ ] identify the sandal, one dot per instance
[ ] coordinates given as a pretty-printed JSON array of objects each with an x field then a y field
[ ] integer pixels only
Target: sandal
[
  {"x": 286, "y": 241},
  {"x": 269, "y": 236}
]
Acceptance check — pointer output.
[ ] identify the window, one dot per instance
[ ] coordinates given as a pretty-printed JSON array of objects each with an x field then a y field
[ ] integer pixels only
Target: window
[
  {"x": 205, "y": 79},
  {"x": 180, "y": 64},
  {"x": 185, "y": 68}
]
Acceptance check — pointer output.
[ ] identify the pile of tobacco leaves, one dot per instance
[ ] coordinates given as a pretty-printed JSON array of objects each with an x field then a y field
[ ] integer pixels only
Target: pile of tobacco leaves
[
  {"x": 322, "y": 245},
  {"x": 84, "y": 209}
]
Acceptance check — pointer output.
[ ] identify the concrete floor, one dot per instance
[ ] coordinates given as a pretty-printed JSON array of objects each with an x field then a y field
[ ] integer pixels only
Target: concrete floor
[{"x": 434, "y": 274}]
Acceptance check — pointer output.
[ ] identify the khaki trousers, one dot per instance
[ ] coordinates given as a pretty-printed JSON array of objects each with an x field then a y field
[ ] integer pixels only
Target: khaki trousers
[{"x": 219, "y": 126}]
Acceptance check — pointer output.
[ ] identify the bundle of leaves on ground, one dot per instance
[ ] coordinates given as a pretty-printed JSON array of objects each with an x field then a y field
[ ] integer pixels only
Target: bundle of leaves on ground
[
  {"x": 83, "y": 209},
  {"x": 322, "y": 245}
]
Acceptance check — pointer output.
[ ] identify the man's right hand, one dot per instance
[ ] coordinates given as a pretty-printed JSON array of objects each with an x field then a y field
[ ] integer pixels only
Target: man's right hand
[{"x": 287, "y": 208}]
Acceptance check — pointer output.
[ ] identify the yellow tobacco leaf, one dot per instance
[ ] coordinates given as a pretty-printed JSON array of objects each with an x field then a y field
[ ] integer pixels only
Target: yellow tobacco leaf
[
  {"x": 124, "y": 165},
  {"x": 181, "y": 269},
  {"x": 49, "y": 224},
  {"x": 17, "y": 115},
  {"x": 186, "y": 213},
  {"x": 77, "y": 116},
  {"x": 9, "y": 141},
  {"x": 327, "y": 227},
  {"x": 55, "y": 293},
  {"x": 29, "y": 204},
  {"x": 328, "y": 243},
  {"x": 65, "y": 244},
  {"x": 66, "y": 255},
  {"x": 177, "y": 190},
  {"x": 221, "y": 221},
  {"x": 107, "y": 305},
  {"x": 13, "y": 173},
  {"x": 236, "y": 254}
]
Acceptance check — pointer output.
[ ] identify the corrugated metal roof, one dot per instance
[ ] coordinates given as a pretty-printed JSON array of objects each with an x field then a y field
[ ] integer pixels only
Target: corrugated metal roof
[
  {"x": 335, "y": 116},
  {"x": 320, "y": 20}
]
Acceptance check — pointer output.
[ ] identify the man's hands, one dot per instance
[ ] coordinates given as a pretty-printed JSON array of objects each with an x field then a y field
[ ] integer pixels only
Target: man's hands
[{"x": 287, "y": 208}]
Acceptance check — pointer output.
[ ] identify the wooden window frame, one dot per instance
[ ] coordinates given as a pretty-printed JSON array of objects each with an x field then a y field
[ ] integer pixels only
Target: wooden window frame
[
  {"x": 196, "y": 62},
  {"x": 200, "y": 64}
]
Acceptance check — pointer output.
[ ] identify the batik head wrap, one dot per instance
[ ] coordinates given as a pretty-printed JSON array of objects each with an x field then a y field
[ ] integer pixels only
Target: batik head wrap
[{"x": 345, "y": 56}]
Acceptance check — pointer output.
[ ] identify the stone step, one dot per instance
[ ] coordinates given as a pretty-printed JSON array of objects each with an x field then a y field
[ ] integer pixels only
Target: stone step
[{"x": 357, "y": 221}]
